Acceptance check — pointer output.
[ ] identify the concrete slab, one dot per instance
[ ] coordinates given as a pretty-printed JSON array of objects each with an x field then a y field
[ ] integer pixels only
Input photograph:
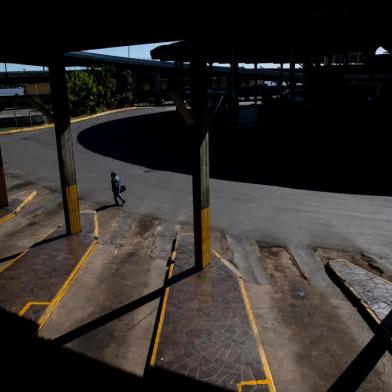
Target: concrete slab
[
  {"x": 30, "y": 284},
  {"x": 16, "y": 203},
  {"x": 207, "y": 331},
  {"x": 374, "y": 292},
  {"x": 311, "y": 333},
  {"x": 109, "y": 312}
]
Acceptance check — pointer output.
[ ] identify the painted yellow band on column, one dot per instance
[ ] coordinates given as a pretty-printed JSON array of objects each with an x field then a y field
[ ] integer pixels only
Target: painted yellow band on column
[
  {"x": 73, "y": 208},
  {"x": 205, "y": 237}
]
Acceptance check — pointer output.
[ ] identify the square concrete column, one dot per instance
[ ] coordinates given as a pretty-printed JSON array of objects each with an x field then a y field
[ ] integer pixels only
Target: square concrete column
[
  {"x": 65, "y": 153},
  {"x": 200, "y": 178},
  {"x": 3, "y": 186}
]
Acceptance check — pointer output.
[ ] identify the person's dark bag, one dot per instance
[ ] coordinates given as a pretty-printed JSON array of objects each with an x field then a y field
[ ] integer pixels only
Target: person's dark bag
[{"x": 123, "y": 188}]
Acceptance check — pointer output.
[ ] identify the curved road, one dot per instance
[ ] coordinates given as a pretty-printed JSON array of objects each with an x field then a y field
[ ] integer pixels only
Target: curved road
[{"x": 297, "y": 331}]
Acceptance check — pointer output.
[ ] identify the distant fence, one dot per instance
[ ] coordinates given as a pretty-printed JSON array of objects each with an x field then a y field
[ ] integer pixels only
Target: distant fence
[{"x": 21, "y": 117}]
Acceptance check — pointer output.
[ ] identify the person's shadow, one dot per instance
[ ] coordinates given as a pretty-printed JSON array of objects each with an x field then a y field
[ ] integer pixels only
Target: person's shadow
[{"x": 105, "y": 207}]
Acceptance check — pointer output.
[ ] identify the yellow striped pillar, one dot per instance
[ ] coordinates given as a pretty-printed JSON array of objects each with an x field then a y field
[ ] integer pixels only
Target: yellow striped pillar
[
  {"x": 64, "y": 145},
  {"x": 200, "y": 177},
  {"x": 3, "y": 186}
]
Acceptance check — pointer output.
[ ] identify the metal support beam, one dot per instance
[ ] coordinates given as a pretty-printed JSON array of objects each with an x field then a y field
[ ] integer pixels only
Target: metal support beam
[
  {"x": 157, "y": 88},
  {"x": 256, "y": 80},
  {"x": 280, "y": 81},
  {"x": 200, "y": 178},
  {"x": 64, "y": 145},
  {"x": 235, "y": 86},
  {"x": 3, "y": 186},
  {"x": 292, "y": 76}
]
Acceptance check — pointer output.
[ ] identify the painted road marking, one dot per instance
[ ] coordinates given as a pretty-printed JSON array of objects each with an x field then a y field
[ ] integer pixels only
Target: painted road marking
[
  {"x": 30, "y": 304},
  {"x": 19, "y": 208},
  {"x": 64, "y": 288},
  {"x": 256, "y": 333},
  {"x": 250, "y": 383},
  {"x": 163, "y": 310}
]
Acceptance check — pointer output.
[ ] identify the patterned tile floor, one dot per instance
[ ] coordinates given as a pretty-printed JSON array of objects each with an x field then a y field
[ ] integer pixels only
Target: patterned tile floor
[
  {"x": 206, "y": 332},
  {"x": 375, "y": 291},
  {"x": 39, "y": 274}
]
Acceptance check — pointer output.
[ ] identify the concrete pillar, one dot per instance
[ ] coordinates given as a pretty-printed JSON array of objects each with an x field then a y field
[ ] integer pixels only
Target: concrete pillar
[
  {"x": 255, "y": 92},
  {"x": 235, "y": 86},
  {"x": 157, "y": 88},
  {"x": 371, "y": 92},
  {"x": 200, "y": 178},
  {"x": 280, "y": 82},
  {"x": 211, "y": 74},
  {"x": 3, "y": 186},
  {"x": 292, "y": 75},
  {"x": 64, "y": 145}
]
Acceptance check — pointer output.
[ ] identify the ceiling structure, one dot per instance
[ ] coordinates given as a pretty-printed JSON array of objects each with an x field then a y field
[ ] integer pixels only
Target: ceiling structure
[{"x": 268, "y": 32}]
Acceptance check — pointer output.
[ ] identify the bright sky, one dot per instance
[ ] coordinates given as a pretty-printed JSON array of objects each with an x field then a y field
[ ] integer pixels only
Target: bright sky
[{"x": 136, "y": 51}]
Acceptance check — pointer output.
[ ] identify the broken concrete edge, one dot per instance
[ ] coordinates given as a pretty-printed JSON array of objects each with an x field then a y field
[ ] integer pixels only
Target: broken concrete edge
[
  {"x": 73, "y": 121},
  {"x": 19, "y": 208},
  {"x": 354, "y": 297},
  {"x": 161, "y": 312},
  {"x": 71, "y": 277},
  {"x": 22, "y": 253}
]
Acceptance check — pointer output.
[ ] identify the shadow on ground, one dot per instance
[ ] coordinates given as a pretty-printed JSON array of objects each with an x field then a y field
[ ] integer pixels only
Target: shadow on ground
[
  {"x": 29, "y": 362},
  {"x": 328, "y": 149}
]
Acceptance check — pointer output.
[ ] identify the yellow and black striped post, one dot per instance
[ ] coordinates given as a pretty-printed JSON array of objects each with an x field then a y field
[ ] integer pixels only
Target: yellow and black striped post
[
  {"x": 3, "y": 186},
  {"x": 64, "y": 145},
  {"x": 200, "y": 178}
]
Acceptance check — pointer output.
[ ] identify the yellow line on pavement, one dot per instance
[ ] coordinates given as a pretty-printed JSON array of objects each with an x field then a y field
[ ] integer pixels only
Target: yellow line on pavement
[
  {"x": 263, "y": 357},
  {"x": 251, "y": 383},
  {"x": 8, "y": 264},
  {"x": 30, "y": 304},
  {"x": 19, "y": 208},
  {"x": 64, "y": 288},
  {"x": 164, "y": 304},
  {"x": 7, "y": 217},
  {"x": 75, "y": 120},
  {"x": 161, "y": 319}
]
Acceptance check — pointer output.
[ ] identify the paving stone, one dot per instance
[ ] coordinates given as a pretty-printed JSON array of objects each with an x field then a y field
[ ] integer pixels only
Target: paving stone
[
  {"x": 373, "y": 290},
  {"x": 206, "y": 332}
]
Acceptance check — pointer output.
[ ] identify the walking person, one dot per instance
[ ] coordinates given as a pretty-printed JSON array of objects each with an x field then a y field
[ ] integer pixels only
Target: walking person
[{"x": 116, "y": 188}]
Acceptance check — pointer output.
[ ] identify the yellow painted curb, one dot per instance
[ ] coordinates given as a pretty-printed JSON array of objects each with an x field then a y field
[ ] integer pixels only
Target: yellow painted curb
[
  {"x": 256, "y": 333},
  {"x": 30, "y": 304},
  {"x": 19, "y": 208},
  {"x": 251, "y": 383},
  {"x": 73, "y": 121},
  {"x": 164, "y": 305},
  {"x": 269, "y": 380},
  {"x": 64, "y": 288}
]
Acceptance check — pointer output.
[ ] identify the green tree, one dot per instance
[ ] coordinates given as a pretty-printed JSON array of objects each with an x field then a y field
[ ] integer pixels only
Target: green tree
[
  {"x": 106, "y": 86},
  {"x": 99, "y": 89},
  {"x": 82, "y": 93},
  {"x": 125, "y": 88}
]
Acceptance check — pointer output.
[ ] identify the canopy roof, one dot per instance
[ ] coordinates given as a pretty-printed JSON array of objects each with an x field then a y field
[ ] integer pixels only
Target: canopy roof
[{"x": 266, "y": 32}]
